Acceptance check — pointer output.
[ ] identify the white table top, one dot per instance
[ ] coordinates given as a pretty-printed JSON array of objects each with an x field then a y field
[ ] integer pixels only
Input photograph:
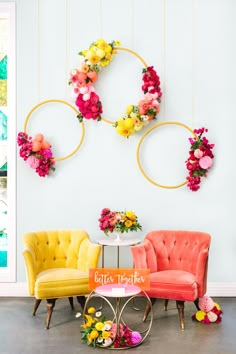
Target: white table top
[
  {"x": 123, "y": 242},
  {"x": 117, "y": 290}
]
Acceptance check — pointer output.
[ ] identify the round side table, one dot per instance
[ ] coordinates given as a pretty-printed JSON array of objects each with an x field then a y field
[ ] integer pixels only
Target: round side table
[
  {"x": 119, "y": 291},
  {"x": 114, "y": 243}
]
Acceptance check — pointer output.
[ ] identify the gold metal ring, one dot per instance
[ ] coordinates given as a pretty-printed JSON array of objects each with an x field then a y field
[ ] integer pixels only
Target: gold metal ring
[
  {"x": 74, "y": 109},
  {"x": 138, "y": 152}
]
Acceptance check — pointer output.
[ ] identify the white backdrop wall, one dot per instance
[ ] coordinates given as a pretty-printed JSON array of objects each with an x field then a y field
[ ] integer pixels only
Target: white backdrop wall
[{"x": 191, "y": 44}]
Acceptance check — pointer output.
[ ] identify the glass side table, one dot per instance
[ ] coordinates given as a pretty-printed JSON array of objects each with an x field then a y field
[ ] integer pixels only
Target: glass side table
[
  {"x": 114, "y": 243},
  {"x": 119, "y": 292}
]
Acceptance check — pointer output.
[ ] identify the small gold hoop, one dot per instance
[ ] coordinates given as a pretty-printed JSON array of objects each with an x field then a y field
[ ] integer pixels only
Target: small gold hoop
[
  {"x": 74, "y": 109},
  {"x": 139, "y": 57},
  {"x": 138, "y": 151}
]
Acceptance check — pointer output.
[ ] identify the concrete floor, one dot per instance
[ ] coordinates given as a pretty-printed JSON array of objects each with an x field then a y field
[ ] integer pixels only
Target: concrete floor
[{"x": 22, "y": 333}]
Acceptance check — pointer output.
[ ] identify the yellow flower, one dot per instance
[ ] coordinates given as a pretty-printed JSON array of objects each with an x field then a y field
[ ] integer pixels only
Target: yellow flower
[
  {"x": 130, "y": 215},
  {"x": 105, "y": 334},
  {"x": 129, "y": 109},
  {"x": 93, "y": 334},
  {"x": 91, "y": 310},
  {"x": 105, "y": 63},
  {"x": 100, "y": 53},
  {"x": 99, "y": 326},
  {"x": 128, "y": 223},
  {"x": 92, "y": 57},
  {"x": 129, "y": 123},
  {"x": 117, "y": 43}
]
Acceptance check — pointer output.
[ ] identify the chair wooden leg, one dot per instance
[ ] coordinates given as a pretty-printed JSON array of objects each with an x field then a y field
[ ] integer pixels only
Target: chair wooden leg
[
  {"x": 196, "y": 302},
  {"x": 180, "y": 307},
  {"x": 166, "y": 304},
  {"x": 148, "y": 308},
  {"x": 50, "y": 306},
  {"x": 81, "y": 301},
  {"x": 71, "y": 301},
  {"x": 36, "y": 305}
]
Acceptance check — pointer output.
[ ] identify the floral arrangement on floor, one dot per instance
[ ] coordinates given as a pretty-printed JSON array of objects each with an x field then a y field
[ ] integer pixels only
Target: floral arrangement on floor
[
  {"x": 210, "y": 311},
  {"x": 82, "y": 80},
  {"x": 97, "y": 331},
  {"x": 118, "y": 221},
  {"x": 138, "y": 116},
  {"x": 200, "y": 159},
  {"x": 98, "y": 56},
  {"x": 36, "y": 152}
]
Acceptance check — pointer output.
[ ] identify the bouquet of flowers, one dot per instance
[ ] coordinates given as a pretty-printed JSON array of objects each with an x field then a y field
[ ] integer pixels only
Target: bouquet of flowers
[
  {"x": 200, "y": 159},
  {"x": 36, "y": 152},
  {"x": 98, "y": 331},
  {"x": 118, "y": 221}
]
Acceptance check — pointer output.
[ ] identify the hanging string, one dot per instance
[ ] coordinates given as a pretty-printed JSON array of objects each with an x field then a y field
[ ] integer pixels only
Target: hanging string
[
  {"x": 133, "y": 23},
  {"x": 164, "y": 62},
  {"x": 66, "y": 50},
  {"x": 101, "y": 19},
  {"x": 193, "y": 63},
  {"x": 39, "y": 51}
]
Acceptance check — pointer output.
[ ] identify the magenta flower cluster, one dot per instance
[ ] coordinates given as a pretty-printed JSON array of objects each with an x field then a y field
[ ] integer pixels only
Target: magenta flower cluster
[
  {"x": 200, "y": 159},
  {"x": 41, "y": 161},
  {"x": 91, "y": 108}
]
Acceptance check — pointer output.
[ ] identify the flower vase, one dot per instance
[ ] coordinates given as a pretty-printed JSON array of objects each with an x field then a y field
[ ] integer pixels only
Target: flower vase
[{"x": 118, "y": 237}]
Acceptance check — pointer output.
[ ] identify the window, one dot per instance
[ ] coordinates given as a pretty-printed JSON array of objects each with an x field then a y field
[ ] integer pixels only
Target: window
[{"x": 7, "y": 144}]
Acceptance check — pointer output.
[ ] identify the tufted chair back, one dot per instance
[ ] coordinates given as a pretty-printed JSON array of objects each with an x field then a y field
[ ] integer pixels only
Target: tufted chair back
[
  {"x": 57, "y": 264},
  {"x": 178, "y": 265},
  {"x": 172, "y": 250}
]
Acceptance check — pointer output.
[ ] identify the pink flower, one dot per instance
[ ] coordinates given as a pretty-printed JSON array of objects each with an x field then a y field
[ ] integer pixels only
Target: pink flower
[
  {"x": 135, "y": 337},
  {"x": 33, "y": 162},
  {"x": 205, "y": 162},
  {"x": 198, "y": 153}
]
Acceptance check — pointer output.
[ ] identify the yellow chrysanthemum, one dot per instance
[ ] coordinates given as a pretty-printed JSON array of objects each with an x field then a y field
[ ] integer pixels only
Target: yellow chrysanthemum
[
  {"x": 99, "y": 326},
  {"x": 200, "y": 315},
  {"x": 108, "y": 48},
  {"x": 100, "y": 43},
  {"x": 128, "y": 223},
  {"x": 105, "y": 334},
  {"x": 117, "y": 43},
  {"x": 91, "y": 310},
  {"x": 93, "y": 334},
  {"x": 130, "y": 215},
  {"x": 84, "y": 52},
  {"x": 122, "y": 130},
  {"x": 129, "y": 109}
]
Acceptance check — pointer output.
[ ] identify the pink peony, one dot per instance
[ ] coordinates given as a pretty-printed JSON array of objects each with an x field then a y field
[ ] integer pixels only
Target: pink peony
[
  {"x": 205, "y": 162},
  {"x": 33, "y": 162}
]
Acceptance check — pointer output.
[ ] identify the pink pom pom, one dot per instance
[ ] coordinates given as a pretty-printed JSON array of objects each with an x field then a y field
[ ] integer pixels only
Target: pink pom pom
[
  {"x": 135, "y": 338},
  {"x": 33, "y": 162},
  {"x": 206, "y": 303}
]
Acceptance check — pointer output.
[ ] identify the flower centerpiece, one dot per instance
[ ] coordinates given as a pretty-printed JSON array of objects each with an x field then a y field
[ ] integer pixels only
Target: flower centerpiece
[
  {"x": 118, "y": 221},
  {"x": 200, "y": 159},
  {"x": 97, "y": 331},
  {"x": 36, "y": 152}
]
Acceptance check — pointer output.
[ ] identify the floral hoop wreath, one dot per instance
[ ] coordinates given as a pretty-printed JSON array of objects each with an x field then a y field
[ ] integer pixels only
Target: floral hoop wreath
[
  {"x": 198, "y": 163},
  {"x": 37, "y": 152},
  {"x": 98, "y": 56}
]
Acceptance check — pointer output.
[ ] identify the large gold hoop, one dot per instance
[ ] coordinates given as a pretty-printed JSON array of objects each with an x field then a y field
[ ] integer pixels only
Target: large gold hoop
[
  {"x": 74, "y": 109},
  {"x": 138, "y": 151},
  {"x": 140, "y": 58}
]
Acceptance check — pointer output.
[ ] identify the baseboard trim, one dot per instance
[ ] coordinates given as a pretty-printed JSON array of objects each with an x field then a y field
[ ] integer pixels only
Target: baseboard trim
[{"x": 213, "y": 289}]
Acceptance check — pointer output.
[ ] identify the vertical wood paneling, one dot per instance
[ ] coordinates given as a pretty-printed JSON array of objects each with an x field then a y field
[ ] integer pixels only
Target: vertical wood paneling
[{"x": 178, "y": 56}]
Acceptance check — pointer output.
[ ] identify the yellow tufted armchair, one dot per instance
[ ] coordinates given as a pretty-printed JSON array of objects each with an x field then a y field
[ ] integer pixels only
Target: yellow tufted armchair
[{"x": 57, "y": 264}]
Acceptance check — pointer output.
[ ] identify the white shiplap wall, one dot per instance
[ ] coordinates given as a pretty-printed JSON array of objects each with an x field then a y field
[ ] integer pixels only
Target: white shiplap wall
[{"x": 192, "y": 46}]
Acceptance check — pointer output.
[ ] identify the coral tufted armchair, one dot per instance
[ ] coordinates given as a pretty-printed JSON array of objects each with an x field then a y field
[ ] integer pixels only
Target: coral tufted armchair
[
  {"x": 178, "y": 266},
  {"x": 57, "y": 264}
]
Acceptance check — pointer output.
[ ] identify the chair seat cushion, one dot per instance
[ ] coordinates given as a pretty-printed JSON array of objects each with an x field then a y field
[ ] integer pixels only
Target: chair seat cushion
[
  {"x": 61, "y": 282},
  {"x": 173, "y": 285}
]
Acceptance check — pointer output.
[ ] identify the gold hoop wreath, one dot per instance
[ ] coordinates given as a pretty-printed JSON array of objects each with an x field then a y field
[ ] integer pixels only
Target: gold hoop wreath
[
  {"x": 37, "y": 152},
  {"x": 198, "y": 162},
  {"x": 98, "y": 56}
]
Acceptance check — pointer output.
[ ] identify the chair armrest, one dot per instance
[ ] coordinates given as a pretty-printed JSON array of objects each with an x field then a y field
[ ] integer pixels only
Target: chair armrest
[
  {"x": 201, "y": 272},
  {"x": 139, "y": 257},
  {"x": 30, "y": 262}
]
